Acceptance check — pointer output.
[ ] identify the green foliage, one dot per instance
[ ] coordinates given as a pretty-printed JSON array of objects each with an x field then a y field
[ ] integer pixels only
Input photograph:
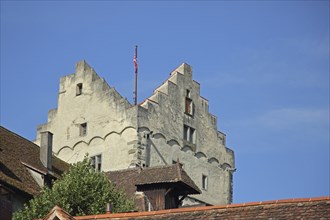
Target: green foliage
[{"x": 80, "y": 191}]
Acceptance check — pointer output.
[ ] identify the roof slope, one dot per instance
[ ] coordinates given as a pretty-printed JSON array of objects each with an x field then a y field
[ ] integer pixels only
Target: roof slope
[
  {"x": 313, "y": 208},
  {"x": 128, "y": 179},
  {"x": 18, "y": 153},
  {"x": 57, "y": 213},
  {"x": 125, "y": 179},
  {"x": 167, "y": 174}
]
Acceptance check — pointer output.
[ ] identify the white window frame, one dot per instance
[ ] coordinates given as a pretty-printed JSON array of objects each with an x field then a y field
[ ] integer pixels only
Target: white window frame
[
  {"x": 97, "y": 162},
  {"x": 189, "y": 104},
  {"x": 189, "y": 134}
]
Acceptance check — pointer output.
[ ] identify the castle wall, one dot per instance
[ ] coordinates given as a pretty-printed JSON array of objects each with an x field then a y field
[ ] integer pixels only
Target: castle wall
[
  {"x": 173, "y": 123},
  {"x": 167, "y": 118},
  {"x": 110, "y": 121}
]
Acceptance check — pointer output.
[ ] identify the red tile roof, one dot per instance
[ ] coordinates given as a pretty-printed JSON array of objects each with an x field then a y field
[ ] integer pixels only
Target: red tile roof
[
  {"x": 58, "y": 214},
  {"x": 310, "y": 208}
]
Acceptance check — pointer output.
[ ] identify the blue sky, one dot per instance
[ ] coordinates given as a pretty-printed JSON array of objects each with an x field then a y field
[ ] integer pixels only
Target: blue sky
[{"x": 263, "y": 66}]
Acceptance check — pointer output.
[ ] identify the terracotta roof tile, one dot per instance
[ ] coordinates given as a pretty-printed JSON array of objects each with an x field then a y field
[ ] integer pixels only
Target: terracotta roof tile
[
  {"x": 58, "y": 213},
  {"x": 312, "y": 208}
]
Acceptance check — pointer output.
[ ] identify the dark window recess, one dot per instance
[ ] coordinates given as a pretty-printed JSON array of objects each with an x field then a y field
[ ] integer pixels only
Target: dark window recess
[
  {"x": 79, "y": 89},
  {"x": 204, "y": 182},
  {"x": 191, "y": 135},
  {"x": 83, "y": 129},
  {"x": 185, "y": 132},
  {"x": 188, "y": 93}
]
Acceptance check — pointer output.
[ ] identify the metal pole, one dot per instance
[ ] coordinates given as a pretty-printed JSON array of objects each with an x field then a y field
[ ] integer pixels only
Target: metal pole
[{"x": 136, "y": 75}]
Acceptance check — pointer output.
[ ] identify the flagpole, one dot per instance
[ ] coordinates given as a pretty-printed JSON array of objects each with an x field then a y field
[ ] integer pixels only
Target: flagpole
[{"x": 136, "y": 75}]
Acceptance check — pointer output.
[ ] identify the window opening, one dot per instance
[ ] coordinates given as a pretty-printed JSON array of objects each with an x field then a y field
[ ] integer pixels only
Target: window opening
[
  {"x": 97, "y": 162},
  {"x": 185, "y": 132},
  {"x": 79, "y": 89},
  {"x": 189, "y": 134},
  {"x": 204, "y": 182},
  {"x": 83, "y": 129},
  {"x": 188, "y": 93},
  {"x": 189, "y": 105}
]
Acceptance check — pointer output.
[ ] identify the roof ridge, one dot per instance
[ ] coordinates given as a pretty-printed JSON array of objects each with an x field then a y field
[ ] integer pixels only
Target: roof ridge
[
  {"x": 17, "y": 135},
  {"x": 121, "y": 170}
]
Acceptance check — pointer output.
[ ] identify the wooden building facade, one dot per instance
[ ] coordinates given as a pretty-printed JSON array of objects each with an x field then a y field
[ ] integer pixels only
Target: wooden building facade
[{"x": 159, "y": 188}]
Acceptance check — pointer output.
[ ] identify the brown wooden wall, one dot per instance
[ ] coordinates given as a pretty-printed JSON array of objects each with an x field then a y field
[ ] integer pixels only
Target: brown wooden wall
[{"x": 156, "y": 196}]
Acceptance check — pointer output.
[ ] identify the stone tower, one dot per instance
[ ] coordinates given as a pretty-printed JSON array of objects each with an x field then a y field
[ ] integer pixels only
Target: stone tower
[{"x": 173, "y": 124}]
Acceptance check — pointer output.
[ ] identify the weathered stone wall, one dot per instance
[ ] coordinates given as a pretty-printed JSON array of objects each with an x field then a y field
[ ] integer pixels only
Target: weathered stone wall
[
  {"x": 207, "y": 155},
  {"x": 111, "y": 121},
  {"x": 149, "y": 134}
]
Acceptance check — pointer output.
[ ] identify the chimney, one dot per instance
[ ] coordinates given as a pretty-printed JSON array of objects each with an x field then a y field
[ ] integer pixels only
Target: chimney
[
  {"x": 108, "y": 208},
  {"x": 46, "y": 149}
]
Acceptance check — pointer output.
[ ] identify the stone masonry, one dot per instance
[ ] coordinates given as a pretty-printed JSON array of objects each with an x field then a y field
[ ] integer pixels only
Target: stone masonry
[{"x": 173, "y": 123}]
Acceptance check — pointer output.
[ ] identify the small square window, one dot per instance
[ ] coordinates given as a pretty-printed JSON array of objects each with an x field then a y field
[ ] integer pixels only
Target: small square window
[
  {"x": 83, "y": 129},
  {"x": 204, "y": 182},
  {"x": 79, "y": 89}
]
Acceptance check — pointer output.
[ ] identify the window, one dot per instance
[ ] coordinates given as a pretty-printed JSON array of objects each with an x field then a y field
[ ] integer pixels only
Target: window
[
  {"x": 97, "y": 162},
  {"x": 83, "y": 129},
  {"x": 204, "y": 182},
  {"x": 79, "y": 89},
  {"x": 189, "y": 105},
  {"x": 189, "y": 134},
  {"x": 188, "y": 108},
  {"x": 188, "y": 93},
  {"x": 185, "y": 132}
]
